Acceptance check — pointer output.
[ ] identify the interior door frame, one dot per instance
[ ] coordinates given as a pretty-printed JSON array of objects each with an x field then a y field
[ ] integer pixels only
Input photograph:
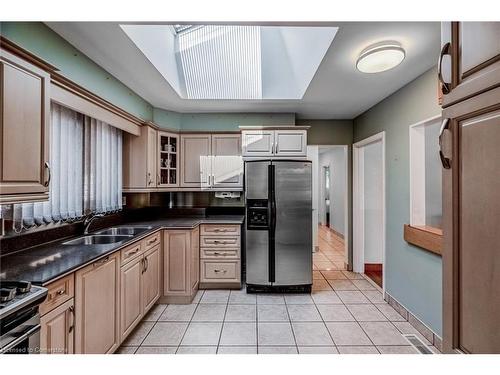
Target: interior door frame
[
  {"x": 347, "y": 236},
  {"x": 358, "y": 204}
]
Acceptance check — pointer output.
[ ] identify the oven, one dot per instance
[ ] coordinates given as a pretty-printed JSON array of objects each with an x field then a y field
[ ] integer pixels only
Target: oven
[{"x": 20, "y": 332}]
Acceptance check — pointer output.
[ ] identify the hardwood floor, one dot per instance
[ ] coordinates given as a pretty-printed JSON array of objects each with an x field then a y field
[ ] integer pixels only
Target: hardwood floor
[{"x": 331, "y": 254}]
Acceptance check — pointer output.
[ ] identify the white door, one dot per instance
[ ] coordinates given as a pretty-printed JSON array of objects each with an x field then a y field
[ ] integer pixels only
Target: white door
[
  {"x": 258, "y": 143},
  {"x": 227, "y": 163},
  {"x": 290, "y": 142}
]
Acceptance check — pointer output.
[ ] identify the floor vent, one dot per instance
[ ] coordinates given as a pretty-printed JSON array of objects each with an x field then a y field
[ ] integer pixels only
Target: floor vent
[{"x": 418, "y": 344}]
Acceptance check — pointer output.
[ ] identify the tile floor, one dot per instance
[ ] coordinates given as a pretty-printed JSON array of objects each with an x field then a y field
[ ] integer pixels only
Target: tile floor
[{"x": 345, "y": 313}]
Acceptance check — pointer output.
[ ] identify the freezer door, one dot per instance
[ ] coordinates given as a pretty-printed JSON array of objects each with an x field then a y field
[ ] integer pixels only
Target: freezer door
[
  {"x": 256, "y": 179},
  {"x": 293, "y": 234},
  {"x": 256, "y": 240}
]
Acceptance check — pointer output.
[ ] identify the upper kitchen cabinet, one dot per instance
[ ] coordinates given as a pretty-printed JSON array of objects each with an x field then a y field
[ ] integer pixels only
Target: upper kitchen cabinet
[
  {"x": 285, "y": 142},
  {"x": 227, "y": 165},
  {"x": 474, "y": 67},
  {"x": 168, "y": 159},
  {"x": 211, "y": 161},
  {"x": 139, "y": 159},
  {"x": 24, "y": 130}
]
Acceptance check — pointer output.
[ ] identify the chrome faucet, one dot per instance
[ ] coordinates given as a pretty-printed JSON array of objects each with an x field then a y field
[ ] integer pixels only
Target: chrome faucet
[{"x": 89, "y": 219}]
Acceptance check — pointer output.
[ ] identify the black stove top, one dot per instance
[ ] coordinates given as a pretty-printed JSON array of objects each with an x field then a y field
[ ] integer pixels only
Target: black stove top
[{"x": 16, "y": 294}]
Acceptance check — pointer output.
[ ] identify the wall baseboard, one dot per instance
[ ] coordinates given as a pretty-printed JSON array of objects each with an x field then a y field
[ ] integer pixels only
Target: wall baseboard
[{"x": 416, "y": 323}]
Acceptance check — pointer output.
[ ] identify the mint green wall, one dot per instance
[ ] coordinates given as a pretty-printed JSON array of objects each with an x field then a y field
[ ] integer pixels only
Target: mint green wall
[
  {"x": 167, "y": 119},
  {"x": 231, "y": 121},
  {"x": 40, "y": 40},
  {"x": 413, "y": 276},
  {"x": 328, "y": 132}
]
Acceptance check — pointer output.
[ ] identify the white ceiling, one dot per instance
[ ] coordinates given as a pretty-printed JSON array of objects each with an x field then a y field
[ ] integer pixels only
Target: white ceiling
[{"x": 337, "y": 91}]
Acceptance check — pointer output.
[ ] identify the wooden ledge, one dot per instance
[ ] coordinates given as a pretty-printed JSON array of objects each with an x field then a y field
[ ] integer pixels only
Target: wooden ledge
[{"x": 427, "y": 238}]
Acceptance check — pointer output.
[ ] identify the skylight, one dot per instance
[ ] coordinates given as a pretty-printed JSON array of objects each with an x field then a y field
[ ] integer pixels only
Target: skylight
[{"x": 234, "y": 62}]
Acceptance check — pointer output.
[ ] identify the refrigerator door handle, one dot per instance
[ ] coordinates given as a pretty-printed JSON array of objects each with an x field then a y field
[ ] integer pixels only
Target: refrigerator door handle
[{"x": 272, "y": 222}]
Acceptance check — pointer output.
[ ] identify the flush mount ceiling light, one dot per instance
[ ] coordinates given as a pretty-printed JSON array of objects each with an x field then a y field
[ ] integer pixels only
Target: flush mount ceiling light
[{"x": 381, "y": 57}]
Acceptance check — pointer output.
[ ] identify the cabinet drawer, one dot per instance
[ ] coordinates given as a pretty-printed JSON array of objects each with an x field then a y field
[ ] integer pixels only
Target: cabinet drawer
[
  {"x": 131, "y": 252},
  {"x": 220, "y": 230},
  {"x": 214, "y": 271},
  {"x": 230, "y": 242},
  {"x": 152, "y": 241},
  {"x": 59, "y": 292},
  {"x": 207, "y": 253}
]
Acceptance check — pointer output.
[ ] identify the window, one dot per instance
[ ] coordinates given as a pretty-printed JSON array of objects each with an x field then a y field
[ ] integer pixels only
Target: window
[
  {"x": 86, "y": 171},
  {"x": 425, "y": 175}
]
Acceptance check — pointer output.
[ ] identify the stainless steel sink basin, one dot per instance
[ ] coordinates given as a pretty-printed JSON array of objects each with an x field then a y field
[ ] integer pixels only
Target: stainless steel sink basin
[
  {"x": 131, "y": 230},
  {"x": 97, "y": 240}
]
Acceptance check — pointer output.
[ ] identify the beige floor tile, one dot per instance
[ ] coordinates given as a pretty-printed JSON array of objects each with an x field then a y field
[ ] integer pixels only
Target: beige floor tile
[
  {"x": 383, "y": 333},
  {"x": 165, "y": 334},
  {"x": 374, "y": 296},
  {"x": 366, "y": 313},
  {"x": 241, "y": 313},
  {"x": 272, "y": 313},
  {"x": 126, "y": 350},
  {"x": 154, "y": 313},
  {"x": 241, "y": 297},
  {"x": 325, "y": 297},
  {"x": 298, "y": 299},
  {"x": 335, "y": 313},
  {"x": 325, "y": 266},
  {"x": 303, "y": 313},
  {"x": 363, "y": 285},
  {"x": 334, "y": 275},
  {"x": 342, "y": 285},
  {"x": 317, "y": 350},
  {"x": 156, "y": 350},
  {"x": 397, "y": 349},
  {"x": 197, "y": 350},
  {"x": 357, "y": 350},
  {"x": 352, "y": 297},
  {"x": 406, "y": 328},
  {"x": 353, "y": 275},
  {"x": 209, "y": 312},
  {"x": 321, "y": 285},
  {"x": 275, "y": 334},
  {"x": 317, "y": 275},
  {"x": 237, "y": 350},
  {"x": 390, "y": 313},
  {"x": 239, "y": 334},
  {"x": 270, "y": 299},
  {"x": 277, "y": 350},
  {"x": 311, "y": 334},
  {"x": 137, "y": 336},
  {"x": 215, "y": 296},
  {"x": 197, "y": 296},
  {"x": 178, "y": 313},
  {"x": 347, "y": 333},
  {"x": 202, "y": 334}
]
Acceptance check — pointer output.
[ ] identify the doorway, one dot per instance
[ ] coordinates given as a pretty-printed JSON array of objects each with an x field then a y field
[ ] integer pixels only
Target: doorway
[
  {"x": 369, "y": 208},
  {"x": 330, "y": 206}
]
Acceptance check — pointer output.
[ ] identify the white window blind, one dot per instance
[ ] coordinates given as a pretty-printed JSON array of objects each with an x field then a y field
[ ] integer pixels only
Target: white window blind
[{"x": 86, "y": 173}]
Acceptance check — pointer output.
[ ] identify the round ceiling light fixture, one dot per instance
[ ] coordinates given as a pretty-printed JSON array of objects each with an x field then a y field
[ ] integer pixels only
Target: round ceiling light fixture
[{"x": 380, "y": 57}]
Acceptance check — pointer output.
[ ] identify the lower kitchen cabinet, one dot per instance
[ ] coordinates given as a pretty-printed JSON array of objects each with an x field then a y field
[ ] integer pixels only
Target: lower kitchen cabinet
[
  {"x": 97, "y": 296},
  {"x": 131, "y": 295},
  {"x": 180, "y": 266},
  {"x": 57, "y": 329},
  {"x": 151, "y": 278}
]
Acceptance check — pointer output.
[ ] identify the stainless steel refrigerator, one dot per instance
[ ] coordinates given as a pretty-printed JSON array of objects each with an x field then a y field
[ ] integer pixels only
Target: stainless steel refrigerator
[{"x": 278, "y": 235}]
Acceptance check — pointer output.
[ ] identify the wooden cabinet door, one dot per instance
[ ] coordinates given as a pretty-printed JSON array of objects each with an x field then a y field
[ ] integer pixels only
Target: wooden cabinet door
[
  {"x": 97, "y": 297},
  {"x": 131, "y": 310},
  {"x": 195, "y": 258},
  {"x": 57, "y": 330},
  {"x": 176, "y": 262},
  {"x": 257, "y": 143},
  {"x": 151, "y": 278},
  {"x": 227, "y": 163},
  {"x": 471, "y": 218},
  {"x": 195, "y": 160},
  {"x": 475, "y": 59},
  {"x": 139, "y": 159},
  {"x": 290, "y": 142},
  {"x": 25, "y": 101}
]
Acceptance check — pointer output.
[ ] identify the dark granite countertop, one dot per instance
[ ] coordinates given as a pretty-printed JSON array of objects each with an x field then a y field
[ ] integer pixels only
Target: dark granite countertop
[{"x": 48, "y": 262}]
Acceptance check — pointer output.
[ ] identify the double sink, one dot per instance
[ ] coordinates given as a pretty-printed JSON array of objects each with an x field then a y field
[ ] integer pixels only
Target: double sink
[{"x": 109, "y": 236}]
